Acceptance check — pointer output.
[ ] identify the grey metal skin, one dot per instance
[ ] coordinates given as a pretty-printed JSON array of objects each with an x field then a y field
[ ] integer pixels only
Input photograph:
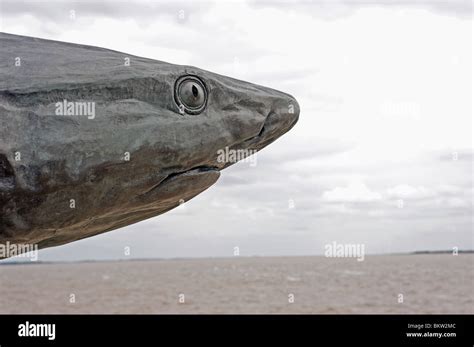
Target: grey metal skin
[{"x": 173, "y": 155}]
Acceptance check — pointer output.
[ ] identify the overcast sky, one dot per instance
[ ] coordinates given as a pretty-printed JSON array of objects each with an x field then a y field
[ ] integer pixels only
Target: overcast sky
[{"x": 382, "y": 154}]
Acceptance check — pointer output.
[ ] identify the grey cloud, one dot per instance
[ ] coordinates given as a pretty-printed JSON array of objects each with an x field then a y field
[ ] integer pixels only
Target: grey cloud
[
  {"x": 329, "y": 9},
  {"x": 57, "y": 10},
  {"x": 249, "y": 206},
  {"x": 283, "y": 74}
]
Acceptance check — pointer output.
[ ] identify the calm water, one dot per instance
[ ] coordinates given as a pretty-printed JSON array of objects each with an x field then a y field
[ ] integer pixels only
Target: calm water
[{"x": 429, "y": 284}]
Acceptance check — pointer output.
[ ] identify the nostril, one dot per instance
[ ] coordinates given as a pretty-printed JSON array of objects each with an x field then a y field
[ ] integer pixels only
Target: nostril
[
  {"x": 268, "y": 122},
  {"x": 6, "y": 169},
  {"x": 7, "y": 175}
]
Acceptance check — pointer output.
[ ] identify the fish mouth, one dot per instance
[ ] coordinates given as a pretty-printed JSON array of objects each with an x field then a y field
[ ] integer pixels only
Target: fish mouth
[
  {"x": 198, "y": 173},
  {"x": 175, "y": 189},
  {"x": 198, "y": 170}
]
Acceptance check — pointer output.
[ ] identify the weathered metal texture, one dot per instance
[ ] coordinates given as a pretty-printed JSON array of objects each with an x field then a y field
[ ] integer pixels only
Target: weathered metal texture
[{"x": 51, "y": 162}]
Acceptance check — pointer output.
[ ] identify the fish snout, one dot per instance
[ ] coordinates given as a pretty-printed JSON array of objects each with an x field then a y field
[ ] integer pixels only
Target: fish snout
[{"x": 282, "y": 116}]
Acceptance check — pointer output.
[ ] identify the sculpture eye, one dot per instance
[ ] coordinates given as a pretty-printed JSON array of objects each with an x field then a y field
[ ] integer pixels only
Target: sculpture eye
[{"x": 190, "y": 94}]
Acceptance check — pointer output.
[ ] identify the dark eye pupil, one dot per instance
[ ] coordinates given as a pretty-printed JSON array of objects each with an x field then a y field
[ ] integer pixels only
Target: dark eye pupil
[
  {"x": 190, "y": 92},
  {"x": 195, "y": 91}
]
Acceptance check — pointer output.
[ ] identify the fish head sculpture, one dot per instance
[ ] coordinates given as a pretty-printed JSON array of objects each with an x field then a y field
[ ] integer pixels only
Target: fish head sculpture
[{"x": 92, "y": 140}]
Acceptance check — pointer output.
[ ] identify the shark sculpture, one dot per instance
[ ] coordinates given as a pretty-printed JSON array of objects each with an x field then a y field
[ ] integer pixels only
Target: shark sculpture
[{"x": 92, "y": 140}]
